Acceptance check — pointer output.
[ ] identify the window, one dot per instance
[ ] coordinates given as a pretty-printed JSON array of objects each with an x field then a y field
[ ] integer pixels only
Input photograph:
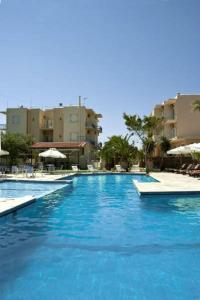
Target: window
[{"x": 73, "y": 118}]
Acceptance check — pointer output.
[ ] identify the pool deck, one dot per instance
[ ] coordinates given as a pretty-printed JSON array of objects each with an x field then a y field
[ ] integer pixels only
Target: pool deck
[
  {"x": 38, "y": 177},
  {"x": 8, "y": 205},
  {"x": 168, "y": 183}
]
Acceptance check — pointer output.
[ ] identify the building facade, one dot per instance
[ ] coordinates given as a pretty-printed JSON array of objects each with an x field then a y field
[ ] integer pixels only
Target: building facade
[
  {"x": 75, "y": 126},
  {"x": 181, "y": 125}
]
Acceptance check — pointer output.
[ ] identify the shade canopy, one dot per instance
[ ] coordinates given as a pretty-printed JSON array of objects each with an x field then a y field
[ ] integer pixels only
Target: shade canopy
[
  {"x": 52, "y": 153},
  {"x": 179, "y": 150},
  {"x": 195, "y": 147},
  {"x": 188, "y": 149}
]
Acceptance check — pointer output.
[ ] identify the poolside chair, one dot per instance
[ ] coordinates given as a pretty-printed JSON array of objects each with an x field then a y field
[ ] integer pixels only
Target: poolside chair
[
  {"x": 3, "y": 174},
  {"x": 30, "y": 172},
  {"x": 91, "y": 168},
  {"x": 40, "y": 169},
  {"x": 194, "y": 172},
  {"x": 182, "y": 168},
  {"x": 119, "y": 168},
  {"x": 14, "y": 170},
  {"x": 189, "y": 168},
  {"x": 135, "y": 168},
  {"x": 75, "y": 168}
]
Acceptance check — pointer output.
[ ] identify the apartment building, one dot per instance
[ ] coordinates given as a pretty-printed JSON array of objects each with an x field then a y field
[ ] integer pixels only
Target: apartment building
[
  {"x": 181, "y": 125},
  {"x": 73, "y": 129}
]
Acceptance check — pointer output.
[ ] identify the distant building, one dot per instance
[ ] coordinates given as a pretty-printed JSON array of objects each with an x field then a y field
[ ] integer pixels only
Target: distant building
[
  {"x": 74, "y": 130},
  {"x": 181, "y": 124}
]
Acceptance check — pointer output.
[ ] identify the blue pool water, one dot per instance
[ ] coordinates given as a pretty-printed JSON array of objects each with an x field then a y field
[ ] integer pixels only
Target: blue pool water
[
  {"x": 96, "y": 239},
  {"x": 11, "y": 189}
]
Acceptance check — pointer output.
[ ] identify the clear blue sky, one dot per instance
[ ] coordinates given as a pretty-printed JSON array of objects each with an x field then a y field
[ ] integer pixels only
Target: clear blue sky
[{"x": 124, "y": 56}]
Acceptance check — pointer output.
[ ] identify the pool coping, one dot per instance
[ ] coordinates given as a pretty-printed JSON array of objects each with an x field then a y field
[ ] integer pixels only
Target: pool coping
[
  {"x": 14, "y": 203},
  {"x": 168, "y": 184}
]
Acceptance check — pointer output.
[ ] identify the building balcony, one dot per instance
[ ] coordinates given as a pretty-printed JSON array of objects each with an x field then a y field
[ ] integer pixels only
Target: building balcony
[
  {"x": 92, "y": 142},
  {"x": 99, "y": 129},
  {"x": 92, "y": 126},
  {"x": 170, "y": 101},
  {"x": 170, "y": 121},
  {"x": 47, "y": 125}
]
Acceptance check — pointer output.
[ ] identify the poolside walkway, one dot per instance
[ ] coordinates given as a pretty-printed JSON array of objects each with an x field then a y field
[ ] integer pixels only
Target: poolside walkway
[
  {"x": 168, "y": 183},
  {"x": 8, "y": 205},
  {"x": 38, "y": 176}
]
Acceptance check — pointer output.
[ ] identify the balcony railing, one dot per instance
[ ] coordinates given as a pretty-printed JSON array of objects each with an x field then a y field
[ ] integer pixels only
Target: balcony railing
[
  {"x": 90, "y": 125},
  {"x": 47, "y": 124}
]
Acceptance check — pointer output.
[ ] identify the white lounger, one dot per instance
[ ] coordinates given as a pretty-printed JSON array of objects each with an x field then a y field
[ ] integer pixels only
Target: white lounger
[
  {"x": 75, "y": 168},
  {"x": 119, "y": 168},
  {"x": 91, "y": 168}
]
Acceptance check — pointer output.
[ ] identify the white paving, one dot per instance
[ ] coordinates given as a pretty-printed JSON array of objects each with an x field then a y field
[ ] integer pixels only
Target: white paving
[
  {"x": 8, "y": 205},
  {"x": 168, "y": 183}
]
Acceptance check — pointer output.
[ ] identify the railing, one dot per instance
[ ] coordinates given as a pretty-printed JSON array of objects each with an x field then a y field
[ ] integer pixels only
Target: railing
[
  {"x": 99, "y": 128},
  {"x": 90, "y": 125},
  {"x": 47, "y": 124}
]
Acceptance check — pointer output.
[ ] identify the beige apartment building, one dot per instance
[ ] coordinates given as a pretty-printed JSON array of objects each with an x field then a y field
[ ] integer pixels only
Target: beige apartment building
[
  {"x": 181, "y": 125},
  {"x": 73, "y": 130}
]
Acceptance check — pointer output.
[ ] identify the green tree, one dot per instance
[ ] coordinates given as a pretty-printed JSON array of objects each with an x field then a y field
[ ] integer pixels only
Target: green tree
[
  {"x": 18, "y": 146},
  {"x": 164, "y": 145},
  {"x": 144, "y": 128},
  {"x": 196, "y": 105},
  {"x": 117, "y": 150}
]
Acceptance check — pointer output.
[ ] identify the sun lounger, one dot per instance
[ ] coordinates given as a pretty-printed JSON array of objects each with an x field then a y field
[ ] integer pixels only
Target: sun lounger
[
  {"x": 29, "y": 172},
  {"x": 182, "y": 168},
  {"x": 135, "y": 168},
  {"x": 119, "y": 168},
  {"x": 195, "y": 172},
  {"x": 75, "y": 168},
  {"x": 91, "y": 168},
  {"x": 14, "y": 170},
  {"x": 189, "y": 168}
]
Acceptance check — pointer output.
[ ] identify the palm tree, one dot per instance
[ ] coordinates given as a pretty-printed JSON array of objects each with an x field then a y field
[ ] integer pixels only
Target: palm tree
[
  {"x": 117, "y": 150},
  {"x": 196, "y": 105},
  {"x": 144, "y": 128},
  {"x": 165, "y": 145}
]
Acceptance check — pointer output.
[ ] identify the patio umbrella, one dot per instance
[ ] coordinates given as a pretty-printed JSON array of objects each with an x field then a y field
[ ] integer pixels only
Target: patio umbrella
[
  {"x": 52, "y": 153},
  {"x": 195, "y": 147},
  {"x": 179, "y": 150}
]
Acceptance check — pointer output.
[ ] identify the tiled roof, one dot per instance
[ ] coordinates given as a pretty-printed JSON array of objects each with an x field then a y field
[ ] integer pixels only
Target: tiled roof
[{"x": 59, "y": 145}]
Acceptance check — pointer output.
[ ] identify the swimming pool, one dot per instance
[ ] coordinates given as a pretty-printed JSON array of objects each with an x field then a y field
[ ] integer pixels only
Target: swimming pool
[
  {"x": 12, "y": 189},
  {"x": 96, "y": 239}
]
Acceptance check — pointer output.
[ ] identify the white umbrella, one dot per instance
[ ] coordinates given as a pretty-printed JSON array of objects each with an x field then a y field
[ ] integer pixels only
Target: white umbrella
[
  {"x": 195, "y": 147},
  {"x": 2, "y": 152},
  {"x": 52, "y": 153},
  {"x": 179, "y": 150}
]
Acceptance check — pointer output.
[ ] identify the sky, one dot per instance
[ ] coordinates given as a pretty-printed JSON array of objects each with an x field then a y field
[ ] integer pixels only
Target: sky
[{"x": 122, "y": 56}]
